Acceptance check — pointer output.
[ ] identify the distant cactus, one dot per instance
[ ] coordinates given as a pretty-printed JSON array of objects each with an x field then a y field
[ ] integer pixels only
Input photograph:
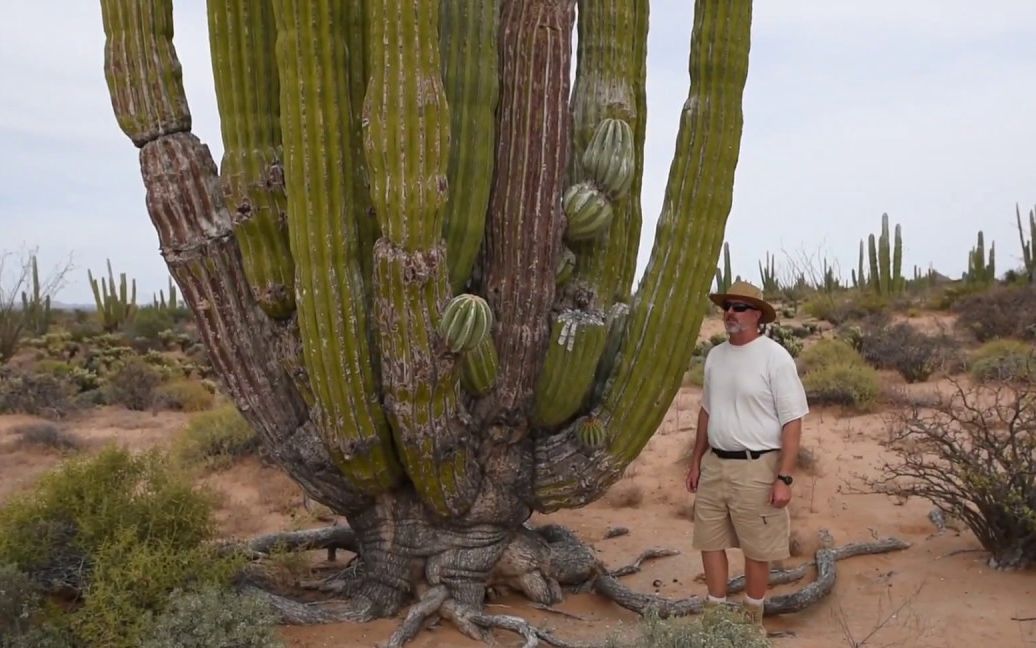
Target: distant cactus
[
  {"x": 859, "y": 278},
  {"x": 768, "y": 275},
  {"x": 114, "y": 307},
  {"x": 886, "y": 261},
  {"x": 723, "y": 275},
  {"x": 172, "y": 304},
  {"x": 1028, "y": 255},
  {"x": 980, "y": 270},
  {"x": 36, "y": 306},
  {"x": 831, "y": 282}
]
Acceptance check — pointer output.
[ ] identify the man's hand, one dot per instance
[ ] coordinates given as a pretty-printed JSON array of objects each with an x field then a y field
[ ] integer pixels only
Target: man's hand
[
  {"x": 780, "y": 494},
  {"x": 692, "y": 476}
]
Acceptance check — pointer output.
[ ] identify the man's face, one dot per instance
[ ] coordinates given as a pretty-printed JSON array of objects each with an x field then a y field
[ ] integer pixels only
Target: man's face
[{"x": 739, "y": 317}]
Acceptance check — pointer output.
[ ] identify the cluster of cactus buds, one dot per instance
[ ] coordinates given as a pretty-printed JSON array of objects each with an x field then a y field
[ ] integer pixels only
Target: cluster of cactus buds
[{"x": 609, "y": 164}]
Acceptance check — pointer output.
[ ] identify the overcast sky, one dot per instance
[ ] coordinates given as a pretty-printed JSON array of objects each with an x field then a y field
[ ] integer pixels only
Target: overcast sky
[{"x": 925, "y": 109}]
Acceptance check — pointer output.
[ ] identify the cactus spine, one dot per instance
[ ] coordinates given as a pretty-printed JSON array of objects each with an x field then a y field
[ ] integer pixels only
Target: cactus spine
[
  {"x": 35, "y": 305},
  {"x": 1028, "y": 257},
  {"x": 115, "y": 307}
]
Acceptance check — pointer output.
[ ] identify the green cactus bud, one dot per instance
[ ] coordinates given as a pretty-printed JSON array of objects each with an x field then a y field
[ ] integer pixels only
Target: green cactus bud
[
  {"x": 566, "y": 266},
  {"x": 591, "y": 432},
  {"x": 479, "y": 367},
  {"x": 588, "y": 210},
  {"x": 465, "y": 322},
  {"x": 609, "y": 157}
]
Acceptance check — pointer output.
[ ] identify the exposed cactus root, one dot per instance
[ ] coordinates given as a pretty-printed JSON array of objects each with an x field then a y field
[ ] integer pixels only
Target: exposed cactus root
[{"x": 539, "y": 563}]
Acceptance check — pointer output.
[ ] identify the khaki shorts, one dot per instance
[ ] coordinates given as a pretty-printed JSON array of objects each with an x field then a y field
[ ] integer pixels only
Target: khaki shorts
[{"x": 732, "y": 508}]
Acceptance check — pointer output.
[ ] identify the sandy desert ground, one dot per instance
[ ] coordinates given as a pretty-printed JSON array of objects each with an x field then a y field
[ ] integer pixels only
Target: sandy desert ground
[{"x": 939, "y": 592}]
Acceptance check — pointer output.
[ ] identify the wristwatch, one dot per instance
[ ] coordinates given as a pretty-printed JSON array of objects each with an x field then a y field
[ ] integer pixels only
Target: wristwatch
[{"x": 787, "y": 479}]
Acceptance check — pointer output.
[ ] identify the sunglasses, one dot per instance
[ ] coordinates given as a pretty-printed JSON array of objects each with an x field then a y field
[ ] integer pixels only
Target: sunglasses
[{"x": 737, "y": 308}]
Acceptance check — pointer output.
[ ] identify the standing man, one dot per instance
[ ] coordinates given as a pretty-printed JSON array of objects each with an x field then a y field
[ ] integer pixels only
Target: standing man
[{"x": 744, "y": 454}]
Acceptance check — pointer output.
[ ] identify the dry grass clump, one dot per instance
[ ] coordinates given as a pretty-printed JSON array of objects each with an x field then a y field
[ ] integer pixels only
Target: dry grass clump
[
  {"x": 184, "y": 395},
  {"x": 1009, "y": 360},
  {"x": 720, "y": 627},
  {"x": 46, "y": 435},
  {"x": 999, "y": 313},
  {"x": 133, "y": 385}
]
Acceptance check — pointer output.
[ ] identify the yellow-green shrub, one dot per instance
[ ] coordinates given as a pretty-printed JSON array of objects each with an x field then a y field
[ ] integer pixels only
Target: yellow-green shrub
[
  {"x": 216, "y": 438},
  {"x": 184, "y": 395},
  {"x": 1004, "y": 360},
  {"x": 827, "y": 352},
  {"x": 856, "y": 385}
]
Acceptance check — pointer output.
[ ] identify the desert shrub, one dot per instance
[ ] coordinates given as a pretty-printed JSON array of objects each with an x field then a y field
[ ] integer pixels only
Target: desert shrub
[
  {"x": 147, "y": 326},
  {"x": 717, "y": 339},
  {"x": 695, "y": 374},
  {"x": 784, "y": 336},
  {"x": 821, "y": 307},
  {"x": 915, "y": 355},
  {"x": 716, "y": 628},
  {"x": 825, "y": 353},
  {"x": 184, "y": 395},
  {"x": 856, "y": 385},
  {"x": 213, "y": 618},
  {"x": 19, "y": 601},
  {"x": 999, "y": 312},
  {"x": 133, "y": 385},
  {"x": 973, "y": 455},
  {"x": 858, "y": 305},
  {"x": 34, "y": 393},
  {"x": 82, "y": 378},
  {"x": 45, "y": 435},
  {"x": 123, "y": 531},
  {"x": 216, "y": 438},
  {"x": 1004, "y": 360}
]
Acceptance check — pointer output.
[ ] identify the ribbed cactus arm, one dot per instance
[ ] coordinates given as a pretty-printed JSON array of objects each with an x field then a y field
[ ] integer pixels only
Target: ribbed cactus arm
[
  {"x": 666, "y": 312},
  {"x": 250, "y": 352},
  {"x": 406, "y": 141},
  {"x": 467, "y": 40},
  {"x": 332, "y": 314},
  {"x": 242, "y": 34},
  {"x": 610, "y": 83}
]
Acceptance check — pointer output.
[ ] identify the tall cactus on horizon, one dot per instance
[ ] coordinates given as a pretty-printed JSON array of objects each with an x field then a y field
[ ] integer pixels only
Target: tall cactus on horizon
[
  {"x": 378, "y": 270},
  {"x": 981, "y": 267},
  {"x": 36, "y": 312},
  {"x": 886, "y": 260},
  {"x": 1028, "y": 253}
]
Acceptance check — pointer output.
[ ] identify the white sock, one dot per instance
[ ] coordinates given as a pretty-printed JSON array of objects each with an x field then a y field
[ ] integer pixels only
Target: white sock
[
  {"x": 717, "y": 599},
  {"x": 754, "y": 602}
]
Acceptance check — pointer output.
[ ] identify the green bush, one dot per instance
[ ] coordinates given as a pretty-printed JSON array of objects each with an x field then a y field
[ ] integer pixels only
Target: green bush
[
  {"x": 999, "y": 313},
  {"x": 215, "y": 439},
  {"x": 133, "y": 385},
  {"x": 46, "y": 435},
  {"x": 122, "y": 530},
  {"x": 1004, "y": 360},
  {"x": 146, "y": 327},
  {"x": 856, "y": 385},
  {"x": 213, "y": 618},
  {"x": 720, "y": 627},
  {"x": 915, "y": 355},
  {"x": 821, "y": 307},
  {"x": 184, "y": 395},
  {"x": 83, "y": 379},
  {"x": 19, "y": 602},
  {"x": 786, "y": 337},
  {"x": 43, "y": 395},
  {"x": 827, "y": 352}
]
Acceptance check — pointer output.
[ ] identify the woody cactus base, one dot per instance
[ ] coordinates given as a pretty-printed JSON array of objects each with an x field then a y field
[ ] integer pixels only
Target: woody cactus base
[{"x": 378, "y": 270}]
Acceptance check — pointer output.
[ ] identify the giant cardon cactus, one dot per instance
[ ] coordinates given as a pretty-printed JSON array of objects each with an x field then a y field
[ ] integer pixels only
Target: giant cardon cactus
[{"x": 391, "y": 163}]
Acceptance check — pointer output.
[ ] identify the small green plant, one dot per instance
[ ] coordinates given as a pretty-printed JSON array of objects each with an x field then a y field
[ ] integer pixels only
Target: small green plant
[
  {"x": 784, "y": 336},
  {"x": 719, "y": 627},
  {"x": 39, "y": 394},
  {"x": 1004, "y": 360},
  {"x": 827, "y": 352},
  {"x": 184, "y": 395},
  {"x": 133, "y": 385},
  {"x": 216, "y": 438},
  {"x": 213, "y": 618},
  {"x": 46, "y": 435}
]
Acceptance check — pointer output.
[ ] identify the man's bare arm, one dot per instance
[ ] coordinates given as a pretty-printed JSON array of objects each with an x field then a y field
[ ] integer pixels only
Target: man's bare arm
[{"x": 791, "y": 436}]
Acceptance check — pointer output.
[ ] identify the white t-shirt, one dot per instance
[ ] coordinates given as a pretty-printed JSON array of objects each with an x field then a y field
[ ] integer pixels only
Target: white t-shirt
[{"x": 751, "y": 391}]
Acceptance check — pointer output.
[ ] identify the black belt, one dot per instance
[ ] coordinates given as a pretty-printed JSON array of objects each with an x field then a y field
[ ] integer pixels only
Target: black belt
[{"x": 741, "y": 454}]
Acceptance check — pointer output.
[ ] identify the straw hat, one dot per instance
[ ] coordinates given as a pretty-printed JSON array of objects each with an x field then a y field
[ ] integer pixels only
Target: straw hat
[{"x": 743, "y": 291}]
